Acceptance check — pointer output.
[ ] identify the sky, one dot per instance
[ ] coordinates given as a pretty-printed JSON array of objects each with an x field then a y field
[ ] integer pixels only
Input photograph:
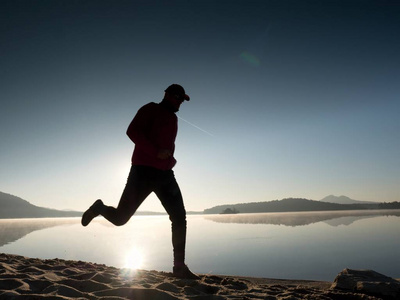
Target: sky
[{"x": 288, "y": 98}]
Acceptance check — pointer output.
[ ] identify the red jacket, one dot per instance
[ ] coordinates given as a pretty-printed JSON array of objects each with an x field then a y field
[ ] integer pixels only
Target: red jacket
[{"x": 153, "y": 128}]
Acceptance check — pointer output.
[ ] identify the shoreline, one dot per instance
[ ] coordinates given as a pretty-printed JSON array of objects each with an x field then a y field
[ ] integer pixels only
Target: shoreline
[{"x": 32, "y": 278}]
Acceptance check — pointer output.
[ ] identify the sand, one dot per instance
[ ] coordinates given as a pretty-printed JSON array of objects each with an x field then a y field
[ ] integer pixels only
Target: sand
[{"x": 32, "y": 278}]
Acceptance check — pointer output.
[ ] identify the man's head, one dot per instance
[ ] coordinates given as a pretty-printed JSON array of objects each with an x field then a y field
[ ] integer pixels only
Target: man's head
[{"x": 175, "y": 94}]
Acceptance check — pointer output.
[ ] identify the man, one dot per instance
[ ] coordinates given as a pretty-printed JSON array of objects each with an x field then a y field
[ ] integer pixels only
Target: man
[{"x": 153, "y": 130}]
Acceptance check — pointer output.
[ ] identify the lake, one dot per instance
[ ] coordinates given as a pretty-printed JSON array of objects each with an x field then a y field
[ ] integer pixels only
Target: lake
[{"x": 305, "y": 245}]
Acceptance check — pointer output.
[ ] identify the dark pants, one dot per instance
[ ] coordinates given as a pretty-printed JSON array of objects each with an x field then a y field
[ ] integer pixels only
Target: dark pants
[{"x": 142, "y": 181}]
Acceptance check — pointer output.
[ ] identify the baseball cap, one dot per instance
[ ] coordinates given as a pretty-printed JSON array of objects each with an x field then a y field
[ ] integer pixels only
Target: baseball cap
[{"x": 177, "y": 89}]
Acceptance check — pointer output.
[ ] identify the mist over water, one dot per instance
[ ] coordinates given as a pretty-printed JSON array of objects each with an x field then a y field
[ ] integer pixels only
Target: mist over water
[{"x": 308, "y": 245}]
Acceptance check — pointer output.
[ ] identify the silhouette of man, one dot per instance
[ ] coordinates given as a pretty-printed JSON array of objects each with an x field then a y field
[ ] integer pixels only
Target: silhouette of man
[{"x": 153, "y": 130}]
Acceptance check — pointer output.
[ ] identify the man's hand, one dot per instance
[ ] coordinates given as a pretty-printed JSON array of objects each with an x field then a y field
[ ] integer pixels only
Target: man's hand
[{"x": 164, "y": 154}]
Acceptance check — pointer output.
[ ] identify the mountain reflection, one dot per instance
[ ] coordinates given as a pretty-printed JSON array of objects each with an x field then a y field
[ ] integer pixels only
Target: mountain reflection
[
  {"x": 15, "y": 229},
  {"x": 332, "y": 218}
]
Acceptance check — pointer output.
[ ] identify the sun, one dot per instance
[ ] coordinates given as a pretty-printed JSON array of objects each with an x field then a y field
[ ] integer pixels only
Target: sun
[{"x": 133, "y": 259}]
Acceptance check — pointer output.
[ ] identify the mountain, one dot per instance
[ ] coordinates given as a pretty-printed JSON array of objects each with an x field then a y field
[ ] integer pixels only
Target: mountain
[
  {"x": 284, "y": 205},
  {"x": 15, "y": 207},
  {"x": 343, "y": 200},
  {"x": 288, "y": 205}
]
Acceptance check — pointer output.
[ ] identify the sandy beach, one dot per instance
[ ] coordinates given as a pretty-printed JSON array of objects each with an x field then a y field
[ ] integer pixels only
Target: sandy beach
[{"x": 32, "y": 278}]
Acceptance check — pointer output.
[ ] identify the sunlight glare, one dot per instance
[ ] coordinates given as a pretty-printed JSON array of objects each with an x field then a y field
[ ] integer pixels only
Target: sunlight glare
[{"x": 133, "y": 259}]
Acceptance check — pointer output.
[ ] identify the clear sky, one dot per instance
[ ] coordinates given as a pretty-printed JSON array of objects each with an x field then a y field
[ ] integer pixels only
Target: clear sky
[{"x": 288, "y": 98}]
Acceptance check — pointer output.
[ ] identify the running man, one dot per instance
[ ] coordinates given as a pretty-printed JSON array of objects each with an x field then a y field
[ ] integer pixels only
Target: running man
[{"x": 153, "y": 131}]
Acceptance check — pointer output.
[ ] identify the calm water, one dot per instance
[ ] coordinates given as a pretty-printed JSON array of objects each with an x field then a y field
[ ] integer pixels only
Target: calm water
[{"x": 314, "y": 245}]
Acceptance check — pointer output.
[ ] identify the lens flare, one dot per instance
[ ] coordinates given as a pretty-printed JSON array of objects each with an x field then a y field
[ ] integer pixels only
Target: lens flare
[{"x": 250, "y": 58}]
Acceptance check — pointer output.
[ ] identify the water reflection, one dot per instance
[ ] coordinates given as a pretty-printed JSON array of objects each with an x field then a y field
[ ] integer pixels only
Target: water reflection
[
  {"x": 293, "y": 219},
  {"x": 12, "y": 230},
  {"x": 317, "y": 251}
]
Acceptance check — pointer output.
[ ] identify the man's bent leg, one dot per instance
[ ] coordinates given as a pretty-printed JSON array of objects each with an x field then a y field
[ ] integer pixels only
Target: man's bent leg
[
  {"x": 137, "y": 188},
  {"x": 136, "y": 191}
]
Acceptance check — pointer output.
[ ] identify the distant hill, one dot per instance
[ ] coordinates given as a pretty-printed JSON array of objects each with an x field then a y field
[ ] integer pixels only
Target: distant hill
[
  {"x": 344, "y": 200},
  {"x": 288, "y": 205},
  {"x": 14, "y": 207}
]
